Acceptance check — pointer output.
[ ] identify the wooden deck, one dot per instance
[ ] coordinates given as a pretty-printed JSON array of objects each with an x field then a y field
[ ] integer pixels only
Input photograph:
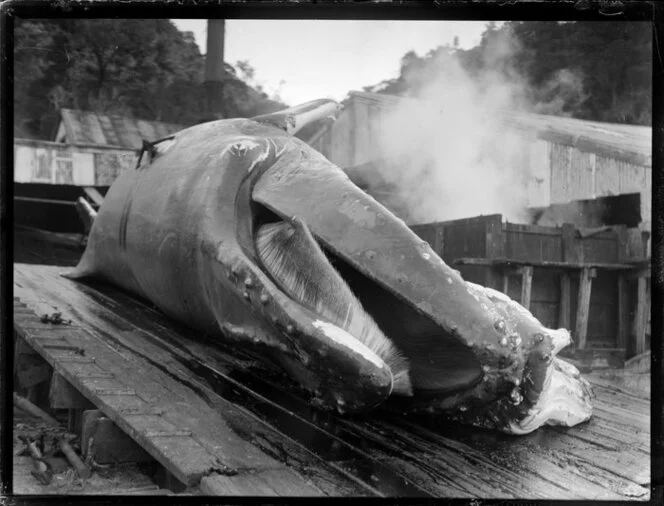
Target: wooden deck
[{"x": 229, "y": 425}]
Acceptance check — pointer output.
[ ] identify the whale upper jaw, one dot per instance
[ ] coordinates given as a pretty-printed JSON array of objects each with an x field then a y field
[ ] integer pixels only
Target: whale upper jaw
[{"x": 503, "y": 371}]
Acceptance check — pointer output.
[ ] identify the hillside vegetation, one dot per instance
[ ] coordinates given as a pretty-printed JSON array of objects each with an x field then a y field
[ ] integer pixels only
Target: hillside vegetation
[
  {"x": 148, "y": 69},
  {"x": 134, "y": 67},
  {"x": 599, "y": 71}
]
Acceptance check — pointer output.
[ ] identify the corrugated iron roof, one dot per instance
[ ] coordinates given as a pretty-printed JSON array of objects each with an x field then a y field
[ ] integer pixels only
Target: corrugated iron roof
[
  {"x": 86, "y": 127},
  {"x": 630, "y": 142}
]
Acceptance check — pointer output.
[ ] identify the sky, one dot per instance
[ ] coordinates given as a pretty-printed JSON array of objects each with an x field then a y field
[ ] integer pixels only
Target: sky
[{"x": 304, "y": 60}]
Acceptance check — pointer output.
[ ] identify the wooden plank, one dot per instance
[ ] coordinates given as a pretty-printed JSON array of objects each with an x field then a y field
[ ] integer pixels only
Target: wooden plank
[
  {"x": 234, "y": 437},
  {"x": 269, "y": 482},
  {"x": 381, "y": 453},
  {"x": 622, "y": 237},
  {"x": 184, "y": 457},
  {"x": 526, "y": 285},
  {"x": 572, "y": 251},
  {"x": 495, "y": 240},
  {"x": 583, "y": 306},
  {"x": 508, "y": 262},
  {"x": 597, "y": 249},
  {"x": 623, "y": 311},
  {"x": 641, "y": 315},
  {"x": 527, "y": 229},
  {"x": 637, "y": 241},
  {"x": 494, "y": 247}
]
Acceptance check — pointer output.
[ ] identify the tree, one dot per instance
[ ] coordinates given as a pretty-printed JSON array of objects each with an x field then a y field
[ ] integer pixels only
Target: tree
[
  {"x": 598, "y": 71},
  {"x": 139, "y": 68}
]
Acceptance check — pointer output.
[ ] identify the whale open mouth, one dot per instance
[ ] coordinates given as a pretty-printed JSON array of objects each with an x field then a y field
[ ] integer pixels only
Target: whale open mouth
[{"x": 304, "y": 254}]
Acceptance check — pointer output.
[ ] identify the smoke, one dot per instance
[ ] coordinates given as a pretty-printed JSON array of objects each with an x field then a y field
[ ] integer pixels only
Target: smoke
[
  {"x": 454, "y": 156},
  {"x": 561, "y": 93},
  {"x": 583, "y": 213}
]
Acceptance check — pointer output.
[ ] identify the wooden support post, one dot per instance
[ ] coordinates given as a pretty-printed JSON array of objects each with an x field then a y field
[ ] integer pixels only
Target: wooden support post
[
  {"x": 63, "y": 395},
  {"x": 526, "y": 285},
  {"x": 583, "y": 306},
  {"x": 641, "y": 316},
  {"x": 105, "y": 443},
  {"x": 623, "y": 310},
  {"x": 506, "y": 281},
  {"x": 565, "y": 307}
]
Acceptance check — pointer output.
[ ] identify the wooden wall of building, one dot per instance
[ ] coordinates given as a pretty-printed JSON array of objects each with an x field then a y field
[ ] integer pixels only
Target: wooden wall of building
[
  {"x": 43, "y": 162},
  {"x": 558, "y": 167}
]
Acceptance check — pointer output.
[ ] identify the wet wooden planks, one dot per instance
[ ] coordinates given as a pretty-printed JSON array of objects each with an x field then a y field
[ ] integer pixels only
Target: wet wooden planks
[
  {"x": 170, "y": 420},
  {"x": 378, "y": 454}
]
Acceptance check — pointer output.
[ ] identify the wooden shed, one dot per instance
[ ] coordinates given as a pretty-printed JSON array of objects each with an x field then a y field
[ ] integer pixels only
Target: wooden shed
[
  {"x": 91, "y": 128},
  {"x": 89, "y": 149},
  {"x": 563, "y": 159},
  {"x": 88, "y": 153}
]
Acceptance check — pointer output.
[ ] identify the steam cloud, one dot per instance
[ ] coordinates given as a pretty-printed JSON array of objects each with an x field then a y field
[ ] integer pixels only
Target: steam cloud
[{"x": 455, "y": 157}]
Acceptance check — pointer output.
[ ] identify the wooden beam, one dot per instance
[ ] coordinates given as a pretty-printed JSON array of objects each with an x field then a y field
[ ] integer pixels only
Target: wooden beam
[
  {"x": 641, "y": 316},
  {"x": 37, "y": 200},
  {"x": 64, "y": 396},
  {"x": 583, "y": 306},
  {"x": 623, "y": 310},
  {"x": 526, "y": 285},
  {"x": 639, "y": 272},
  {"x": 94, "y": 195},
  {"x": 105, "y": 443},
  {"x": 513, "y": 262},
  {"x": 565, "y": 306}
]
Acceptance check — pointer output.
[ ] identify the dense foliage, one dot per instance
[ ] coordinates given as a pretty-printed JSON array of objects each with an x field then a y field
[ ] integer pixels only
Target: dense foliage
[
  {"x": 148, "y": 69},
  {"x": 599, "y": 71},
  {"x": 139, "y": 68}
]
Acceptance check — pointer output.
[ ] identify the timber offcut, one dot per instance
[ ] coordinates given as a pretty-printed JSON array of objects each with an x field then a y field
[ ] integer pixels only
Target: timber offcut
[{"x": 227, "y": 424}]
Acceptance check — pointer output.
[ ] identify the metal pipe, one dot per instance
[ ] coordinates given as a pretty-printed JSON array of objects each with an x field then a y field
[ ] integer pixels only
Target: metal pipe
[{"x": 214, "y": 67}]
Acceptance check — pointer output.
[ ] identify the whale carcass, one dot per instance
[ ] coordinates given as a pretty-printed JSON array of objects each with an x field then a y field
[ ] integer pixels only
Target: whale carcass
[{"x": 244, "y": 232}]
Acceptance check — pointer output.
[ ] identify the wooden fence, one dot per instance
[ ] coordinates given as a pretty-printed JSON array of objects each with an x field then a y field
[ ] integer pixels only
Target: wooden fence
[{"x": 592, "y": 281}]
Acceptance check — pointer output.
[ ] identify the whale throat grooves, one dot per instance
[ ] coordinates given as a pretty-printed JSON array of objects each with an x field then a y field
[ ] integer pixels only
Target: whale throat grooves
[{"x": 299, "y": 266}]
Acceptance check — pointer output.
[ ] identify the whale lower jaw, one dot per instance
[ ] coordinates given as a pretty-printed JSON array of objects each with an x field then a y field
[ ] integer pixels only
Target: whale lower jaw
[{"x": 564, "y": 401}]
